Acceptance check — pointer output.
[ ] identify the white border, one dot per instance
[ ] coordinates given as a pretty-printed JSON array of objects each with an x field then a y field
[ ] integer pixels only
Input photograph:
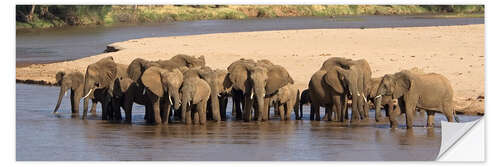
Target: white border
[{"x": 8, "y": 87}]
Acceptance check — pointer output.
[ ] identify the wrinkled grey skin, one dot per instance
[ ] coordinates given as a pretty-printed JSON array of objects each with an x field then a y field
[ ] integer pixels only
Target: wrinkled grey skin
[
  {"x": 387, "y": 101},
  {"x": 138, "y": 66},
  {"x": 357, "y": 79},
  {"x": 162, "y": 90},
  {"x": 431, "y": 92},
  {"x": 327, "y": 90},
  {"x": 286, "y": 100},
  {"x": 73, "y": 81},
  {"x": 220, "y": 86},
  {"x": 195, "y": 94},
  {"x": 266, "y": 80},
  {"x": 99, "y": 80},
  {"x": 241, "y": 85}
]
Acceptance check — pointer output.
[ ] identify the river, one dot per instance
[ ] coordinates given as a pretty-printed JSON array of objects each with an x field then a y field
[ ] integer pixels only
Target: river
[{"x": 41, "y": 135}]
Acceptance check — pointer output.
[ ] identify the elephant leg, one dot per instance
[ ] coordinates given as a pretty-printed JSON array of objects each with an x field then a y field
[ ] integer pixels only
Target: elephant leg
[
  {"x": 337, "y": 108},
  {"x": 188, "y": 115},
  {"x": 410, "y": 110},
  {"x": 449, "y": 112},
  {"x": 128, "y": 104},
  {"x": 156, "y": 110},
  {"x": 316, "y": 112},
  {"x": 237, "y": 106},
  {"x": 75, "y": 103},
  {"x": 196, "y": 114},
  {"x": 247, "y": 112},
  {"x": 430, "y": 119},
  {"x": 202, "y": 110},
  {"x": 166, "y": 110},
  {"x": 289, "y": 108},
  {"x": 222, "y": 107},
  {"x": 281, "y": 109}
]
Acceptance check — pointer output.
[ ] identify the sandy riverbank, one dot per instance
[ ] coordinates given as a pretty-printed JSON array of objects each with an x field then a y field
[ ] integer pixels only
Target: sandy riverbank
[{"x": 454, "y": 51}]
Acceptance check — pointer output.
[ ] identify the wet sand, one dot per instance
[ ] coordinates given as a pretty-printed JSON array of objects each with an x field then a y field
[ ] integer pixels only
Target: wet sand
[
  {"x": 41, "y": 135},
  {"x": 457, "y": 52}
]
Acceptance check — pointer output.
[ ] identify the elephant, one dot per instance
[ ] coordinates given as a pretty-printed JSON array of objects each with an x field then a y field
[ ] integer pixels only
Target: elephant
[
  {"x": 194, "y": 91},
  {"x": 241, "y": 86},
  {"x": 327, "y": 90},
  {"x": 305, "y": 98},
  {"x": 387, "y": 101},
  {"x": 265, "y": 81},
  {"x": 287, "y": 99},
  {"x": 357, "y": 79},
  {"x": 98, "y": 85},
  {"x": 431, "y": 92},
  {"x": 73, "y": 81},
  {"x": 220, "y": 86},
  {"x": 161, "y": 85}
]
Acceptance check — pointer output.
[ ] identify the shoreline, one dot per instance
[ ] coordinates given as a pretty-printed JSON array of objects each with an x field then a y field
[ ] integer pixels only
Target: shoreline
[{"x": 302, "y": 52}]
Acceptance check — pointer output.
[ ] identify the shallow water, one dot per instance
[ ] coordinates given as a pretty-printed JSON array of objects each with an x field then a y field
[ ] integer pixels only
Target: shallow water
[
  {"x": 41, "y": 135},
  {"x": 77, "y": 42}
]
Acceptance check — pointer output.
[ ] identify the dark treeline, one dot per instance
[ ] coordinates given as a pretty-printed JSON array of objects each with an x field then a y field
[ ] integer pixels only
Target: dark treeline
[{"x": 44, "y": 16}]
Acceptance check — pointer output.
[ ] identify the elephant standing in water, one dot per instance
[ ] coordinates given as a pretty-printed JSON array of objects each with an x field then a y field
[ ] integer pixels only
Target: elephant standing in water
[
  {"x": 286, "y": 100},
  {"x": 357, "y": 79},
  {"x": 327, "y": 89},
  {"x": 220, "y": 87},
  {"x": 195, "y": 92},
  {"x": 431, "y": 92},
  {"x": 98, "y": 85},
  {"x": 73, "y": 81},
  {"x": 387, "y": 101}
]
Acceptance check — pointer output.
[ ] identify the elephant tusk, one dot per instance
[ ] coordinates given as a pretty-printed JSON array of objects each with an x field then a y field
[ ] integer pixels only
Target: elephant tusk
[
  {"x": 144, "y": 91},
  {"x": 364, "y": 98},
  {"x": 88, "y": 93},
  {"x": 219, "y": 95},
  {"x": 188, "y": 103},
  {"x": 65, "y": 93},
  {"x": 251, "y": 95},
  {"x": 376, "y": 97},
  {"x": 170, "y": 99}
]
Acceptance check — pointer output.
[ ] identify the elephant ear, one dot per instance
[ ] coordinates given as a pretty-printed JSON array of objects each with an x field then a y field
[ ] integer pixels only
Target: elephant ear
[
  {"x": 136, "y": 68},
  {"x": 59, "y": 77},
  {"x": 227, "y": 84},
  {"x": 152, "y": 80},
  {"x": 403, "y": 84},
  {"x": 107, "y": 70},
  {"x": 277, "y": 78},
  {"x": 202, "y": 60},
  {"x": 333, "y": 79}
]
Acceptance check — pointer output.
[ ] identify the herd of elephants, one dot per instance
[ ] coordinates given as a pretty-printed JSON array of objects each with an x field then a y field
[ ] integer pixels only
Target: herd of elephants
[{"x": 184, "y": 89}]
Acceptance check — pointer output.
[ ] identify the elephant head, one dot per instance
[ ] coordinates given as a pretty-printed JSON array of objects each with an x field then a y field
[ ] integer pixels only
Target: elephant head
[
  {"x": 220, "y": 85},
  {"x": 159, "y": 81},
  {"x": 137, "y": 67},
  {"x": 188, "y": 61},
  {"x": 172, "y": 82},
  {"x": 349, "y": 79},
  {"x": 99, "y": 75},
  {"x": 267, "y": 81},
  {"x": 393, "y": 85},
  {"x": 73, "y": 81}
]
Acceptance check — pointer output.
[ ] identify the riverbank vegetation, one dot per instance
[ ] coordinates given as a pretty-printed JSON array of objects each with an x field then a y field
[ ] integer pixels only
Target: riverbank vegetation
[{"x": 48, "y": 16}]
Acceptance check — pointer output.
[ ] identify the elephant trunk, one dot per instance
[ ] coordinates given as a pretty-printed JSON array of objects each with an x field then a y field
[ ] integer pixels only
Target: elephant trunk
[
  {"x": 215, "y": 106},
  {"x": 61, "y": 94},
  {"x": 184, "y": 107}
]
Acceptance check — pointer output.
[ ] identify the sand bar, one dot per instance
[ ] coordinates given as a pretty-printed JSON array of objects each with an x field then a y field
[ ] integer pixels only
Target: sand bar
[{"x": 454, "y": 51}]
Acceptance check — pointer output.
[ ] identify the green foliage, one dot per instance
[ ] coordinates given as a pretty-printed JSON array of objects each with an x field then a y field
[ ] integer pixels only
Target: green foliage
[{"x": 46, "y": 16}]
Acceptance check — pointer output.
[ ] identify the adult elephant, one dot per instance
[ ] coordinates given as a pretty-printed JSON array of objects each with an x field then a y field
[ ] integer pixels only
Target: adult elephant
[
  {"x": 241, "y": 85},
  {"x": 357, "y": 79},
  {"x": 431, "y": 92},
  {"x": 162, "y": 89},
  {"x": 265, "y": 81},
  {"x": 195, "y": 92},
  {"x": 74, "y": 82},
  {"x": 98, "y": 85},
  {"x": 386, "y": 101},
  {"x": 327, "y": 90},
  {"x": 220, "y": 87}
]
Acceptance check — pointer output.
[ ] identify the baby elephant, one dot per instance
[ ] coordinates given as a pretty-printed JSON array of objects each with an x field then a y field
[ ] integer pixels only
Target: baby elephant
[
  {"x": 431, "y": 92},
  {"x": 195, "y": 92},
  {"x": 287, "y": 99}
]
